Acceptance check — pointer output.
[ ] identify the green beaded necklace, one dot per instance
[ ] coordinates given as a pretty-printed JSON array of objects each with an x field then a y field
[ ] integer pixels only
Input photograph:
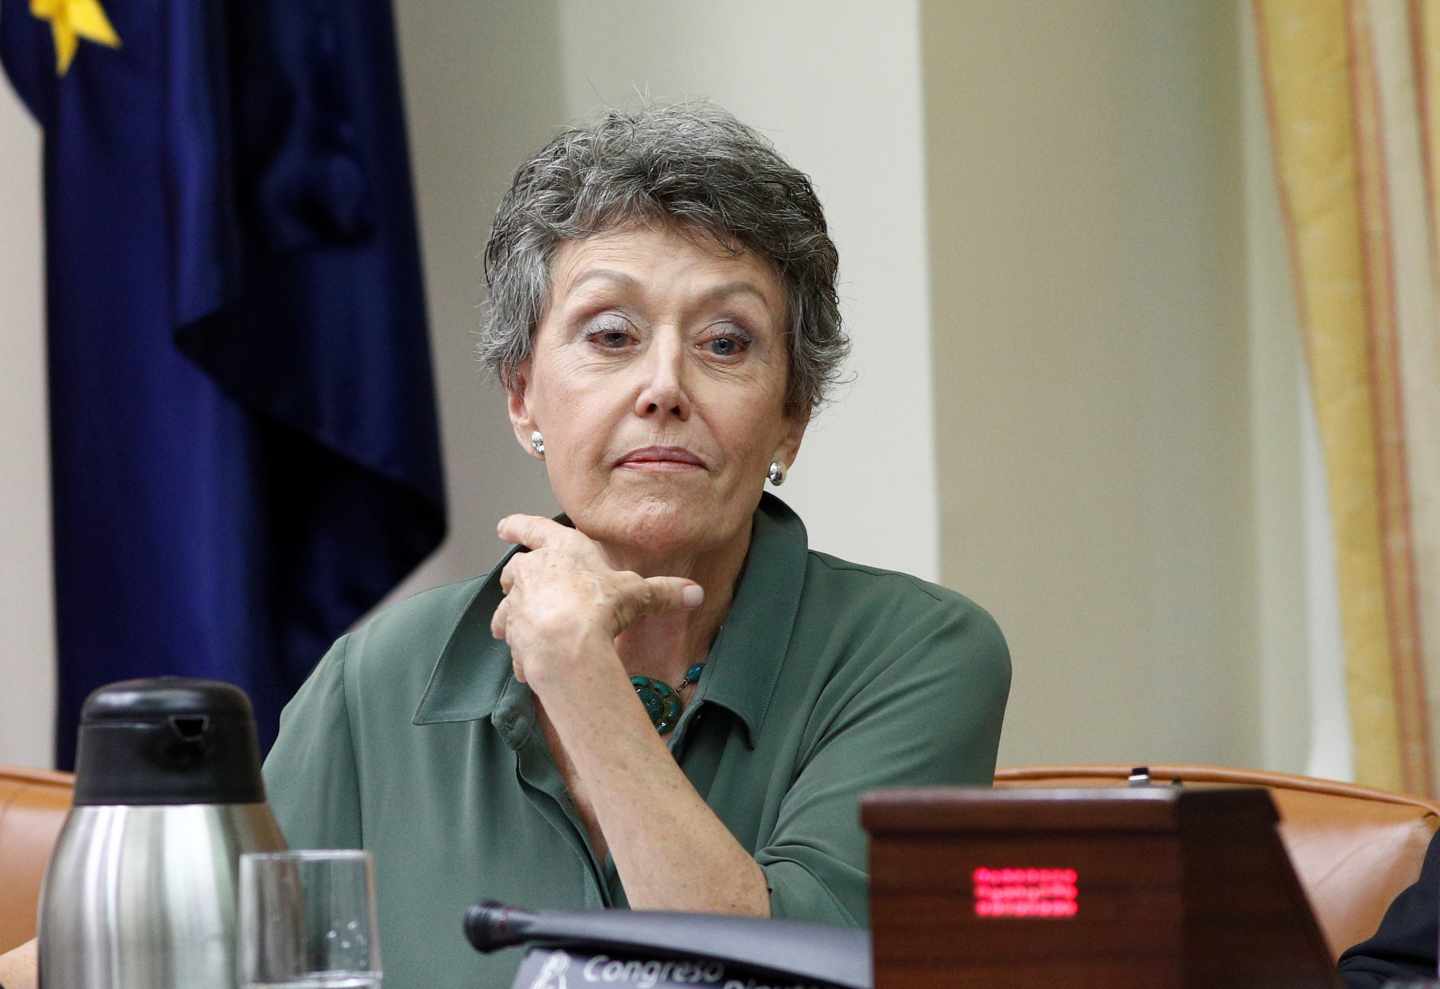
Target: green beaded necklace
[{"x": 662, "y": 701}]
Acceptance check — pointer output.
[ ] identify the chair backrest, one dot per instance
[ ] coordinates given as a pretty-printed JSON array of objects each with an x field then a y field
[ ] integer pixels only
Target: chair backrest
[
  {"x": 1353, "y": 848},
  {"x": 33, "y": 805}
]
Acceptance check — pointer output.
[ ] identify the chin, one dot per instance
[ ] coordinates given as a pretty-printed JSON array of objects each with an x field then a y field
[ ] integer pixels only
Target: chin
[{"x": 658, "y": 526}]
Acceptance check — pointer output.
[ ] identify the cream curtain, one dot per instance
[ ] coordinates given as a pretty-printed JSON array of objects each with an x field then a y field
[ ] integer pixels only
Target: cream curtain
[{"x": 1353, "y": 92}]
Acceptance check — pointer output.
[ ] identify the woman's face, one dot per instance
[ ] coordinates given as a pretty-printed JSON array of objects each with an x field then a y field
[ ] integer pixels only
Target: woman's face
[{"x": 657, "y": 378}]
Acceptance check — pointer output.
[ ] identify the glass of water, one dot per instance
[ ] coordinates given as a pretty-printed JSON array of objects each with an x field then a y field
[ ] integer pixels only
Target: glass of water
[{"x": 306, "y": 920}]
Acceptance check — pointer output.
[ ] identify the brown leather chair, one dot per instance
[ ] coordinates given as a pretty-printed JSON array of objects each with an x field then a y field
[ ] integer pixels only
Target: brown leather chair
[
  {"x": 33, "y": 804},
  {"x": 1353, "y": 848}
]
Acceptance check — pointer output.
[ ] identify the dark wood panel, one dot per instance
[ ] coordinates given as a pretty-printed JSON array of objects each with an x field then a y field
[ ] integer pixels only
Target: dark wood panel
[
  {"x": 931, "y": 862},
  {"x": 1113, "y": 974},
  {"x": 943, "y": 808},
  {"x": 1170, "y": 889},
  {"x": 932, "y": 928}
]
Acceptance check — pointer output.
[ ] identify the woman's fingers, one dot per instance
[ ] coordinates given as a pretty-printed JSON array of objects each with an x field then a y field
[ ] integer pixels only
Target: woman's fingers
[
  {"x": 498, "y": 625},
  {"x": 691, "y": 594},
  {"x": 564, "y": 578},
  {"x": 641, "y": 596},
  {"x": 530, "y": 530},
  {"x": 512, "y": 569}
]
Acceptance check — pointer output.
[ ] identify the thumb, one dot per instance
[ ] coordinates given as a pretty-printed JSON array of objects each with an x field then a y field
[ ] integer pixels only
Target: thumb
[
  {"x": 655, "y": 596},
  {"x": 672, "y": 594}
]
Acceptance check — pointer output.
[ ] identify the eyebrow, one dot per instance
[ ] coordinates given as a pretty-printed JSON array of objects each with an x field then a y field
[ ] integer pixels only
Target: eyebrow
[
  {"x": 608, "y": 274},
  {"x": 726, "y": 289},
  {"x": 712, "y": 294}
]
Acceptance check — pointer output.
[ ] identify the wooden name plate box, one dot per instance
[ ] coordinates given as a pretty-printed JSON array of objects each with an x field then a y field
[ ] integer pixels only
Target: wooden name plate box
[{"x": 1156, "y": 887}]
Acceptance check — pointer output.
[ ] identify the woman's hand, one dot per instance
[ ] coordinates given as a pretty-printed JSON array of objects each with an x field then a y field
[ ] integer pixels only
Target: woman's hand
[
  {"x": 563, "y": 608},
  {"x": 564, "y": 602}
]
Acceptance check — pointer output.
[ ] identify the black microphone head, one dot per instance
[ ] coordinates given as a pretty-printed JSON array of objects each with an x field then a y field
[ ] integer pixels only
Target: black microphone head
[{"x": 491, "y": 925}]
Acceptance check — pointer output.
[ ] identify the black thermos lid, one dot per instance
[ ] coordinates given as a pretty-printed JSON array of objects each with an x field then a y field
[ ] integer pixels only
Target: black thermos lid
[{"x": 168, "y": 740}]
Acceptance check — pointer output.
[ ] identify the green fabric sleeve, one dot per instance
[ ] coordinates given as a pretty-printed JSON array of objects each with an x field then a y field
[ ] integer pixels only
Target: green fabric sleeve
[
  {"x": 925, "y": 711},
  {"x": 310, "y": 774}
]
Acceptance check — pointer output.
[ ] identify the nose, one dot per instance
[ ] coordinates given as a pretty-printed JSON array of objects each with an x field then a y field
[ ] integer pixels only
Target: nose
[{"x": 662, "y": 388}]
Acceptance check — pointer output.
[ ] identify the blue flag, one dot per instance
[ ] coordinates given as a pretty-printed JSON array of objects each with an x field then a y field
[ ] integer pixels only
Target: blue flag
[{"x": 244, "y": 447}]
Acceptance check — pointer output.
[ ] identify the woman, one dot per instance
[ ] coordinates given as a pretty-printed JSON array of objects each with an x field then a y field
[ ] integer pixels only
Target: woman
[{"x": 665, "y": 699}]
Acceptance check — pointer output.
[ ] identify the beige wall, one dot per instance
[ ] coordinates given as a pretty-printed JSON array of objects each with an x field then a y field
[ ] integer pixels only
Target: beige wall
[
  {"x": 1087, "y": 249},
  {"x": 27, "y": 656}
]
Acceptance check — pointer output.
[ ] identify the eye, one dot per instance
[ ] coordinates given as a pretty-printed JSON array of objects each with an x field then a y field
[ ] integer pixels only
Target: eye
[
  {"x": 611, "y": 333},
  {"x": 729, "y": 341}
]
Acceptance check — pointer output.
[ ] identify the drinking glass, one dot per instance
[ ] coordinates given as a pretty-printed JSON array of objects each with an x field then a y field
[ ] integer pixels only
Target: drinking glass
[{"x": 306, "y": 920}]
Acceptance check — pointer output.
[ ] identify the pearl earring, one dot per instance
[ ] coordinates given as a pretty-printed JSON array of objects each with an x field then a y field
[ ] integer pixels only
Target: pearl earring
[
  {"x": 776, "y": 473},
  {"x": 537, "y": 443}
]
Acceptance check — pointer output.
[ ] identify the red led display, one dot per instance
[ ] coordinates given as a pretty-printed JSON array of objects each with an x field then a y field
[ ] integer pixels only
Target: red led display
[{"x": 1048, "y": 894}]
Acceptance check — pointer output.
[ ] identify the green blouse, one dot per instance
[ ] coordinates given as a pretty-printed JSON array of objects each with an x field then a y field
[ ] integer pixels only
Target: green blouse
[{"x": 412, "y": 738}]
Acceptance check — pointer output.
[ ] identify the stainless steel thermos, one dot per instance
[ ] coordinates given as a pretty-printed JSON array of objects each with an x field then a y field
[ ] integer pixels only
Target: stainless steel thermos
[{"x": 140, "y": 891}]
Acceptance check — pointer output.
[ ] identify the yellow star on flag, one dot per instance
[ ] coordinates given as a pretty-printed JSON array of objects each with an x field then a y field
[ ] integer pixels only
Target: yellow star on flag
[{"x": 71, "y": 20}]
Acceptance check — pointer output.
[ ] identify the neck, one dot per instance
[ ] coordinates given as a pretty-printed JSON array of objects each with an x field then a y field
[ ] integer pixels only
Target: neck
[{"x": 665, "y": 646}]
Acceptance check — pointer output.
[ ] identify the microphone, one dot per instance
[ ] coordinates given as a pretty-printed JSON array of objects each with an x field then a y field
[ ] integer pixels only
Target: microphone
[
  {"x": 816, "y": 954},
  {"x": 490, "y": 925}
]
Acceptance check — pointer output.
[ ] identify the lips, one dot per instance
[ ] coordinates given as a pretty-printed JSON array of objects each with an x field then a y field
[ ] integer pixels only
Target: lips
[{"x": 660, "y": 457}]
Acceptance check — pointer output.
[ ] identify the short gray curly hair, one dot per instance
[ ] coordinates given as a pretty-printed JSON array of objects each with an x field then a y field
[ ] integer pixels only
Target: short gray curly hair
[{"x": 691, "y": 164}]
